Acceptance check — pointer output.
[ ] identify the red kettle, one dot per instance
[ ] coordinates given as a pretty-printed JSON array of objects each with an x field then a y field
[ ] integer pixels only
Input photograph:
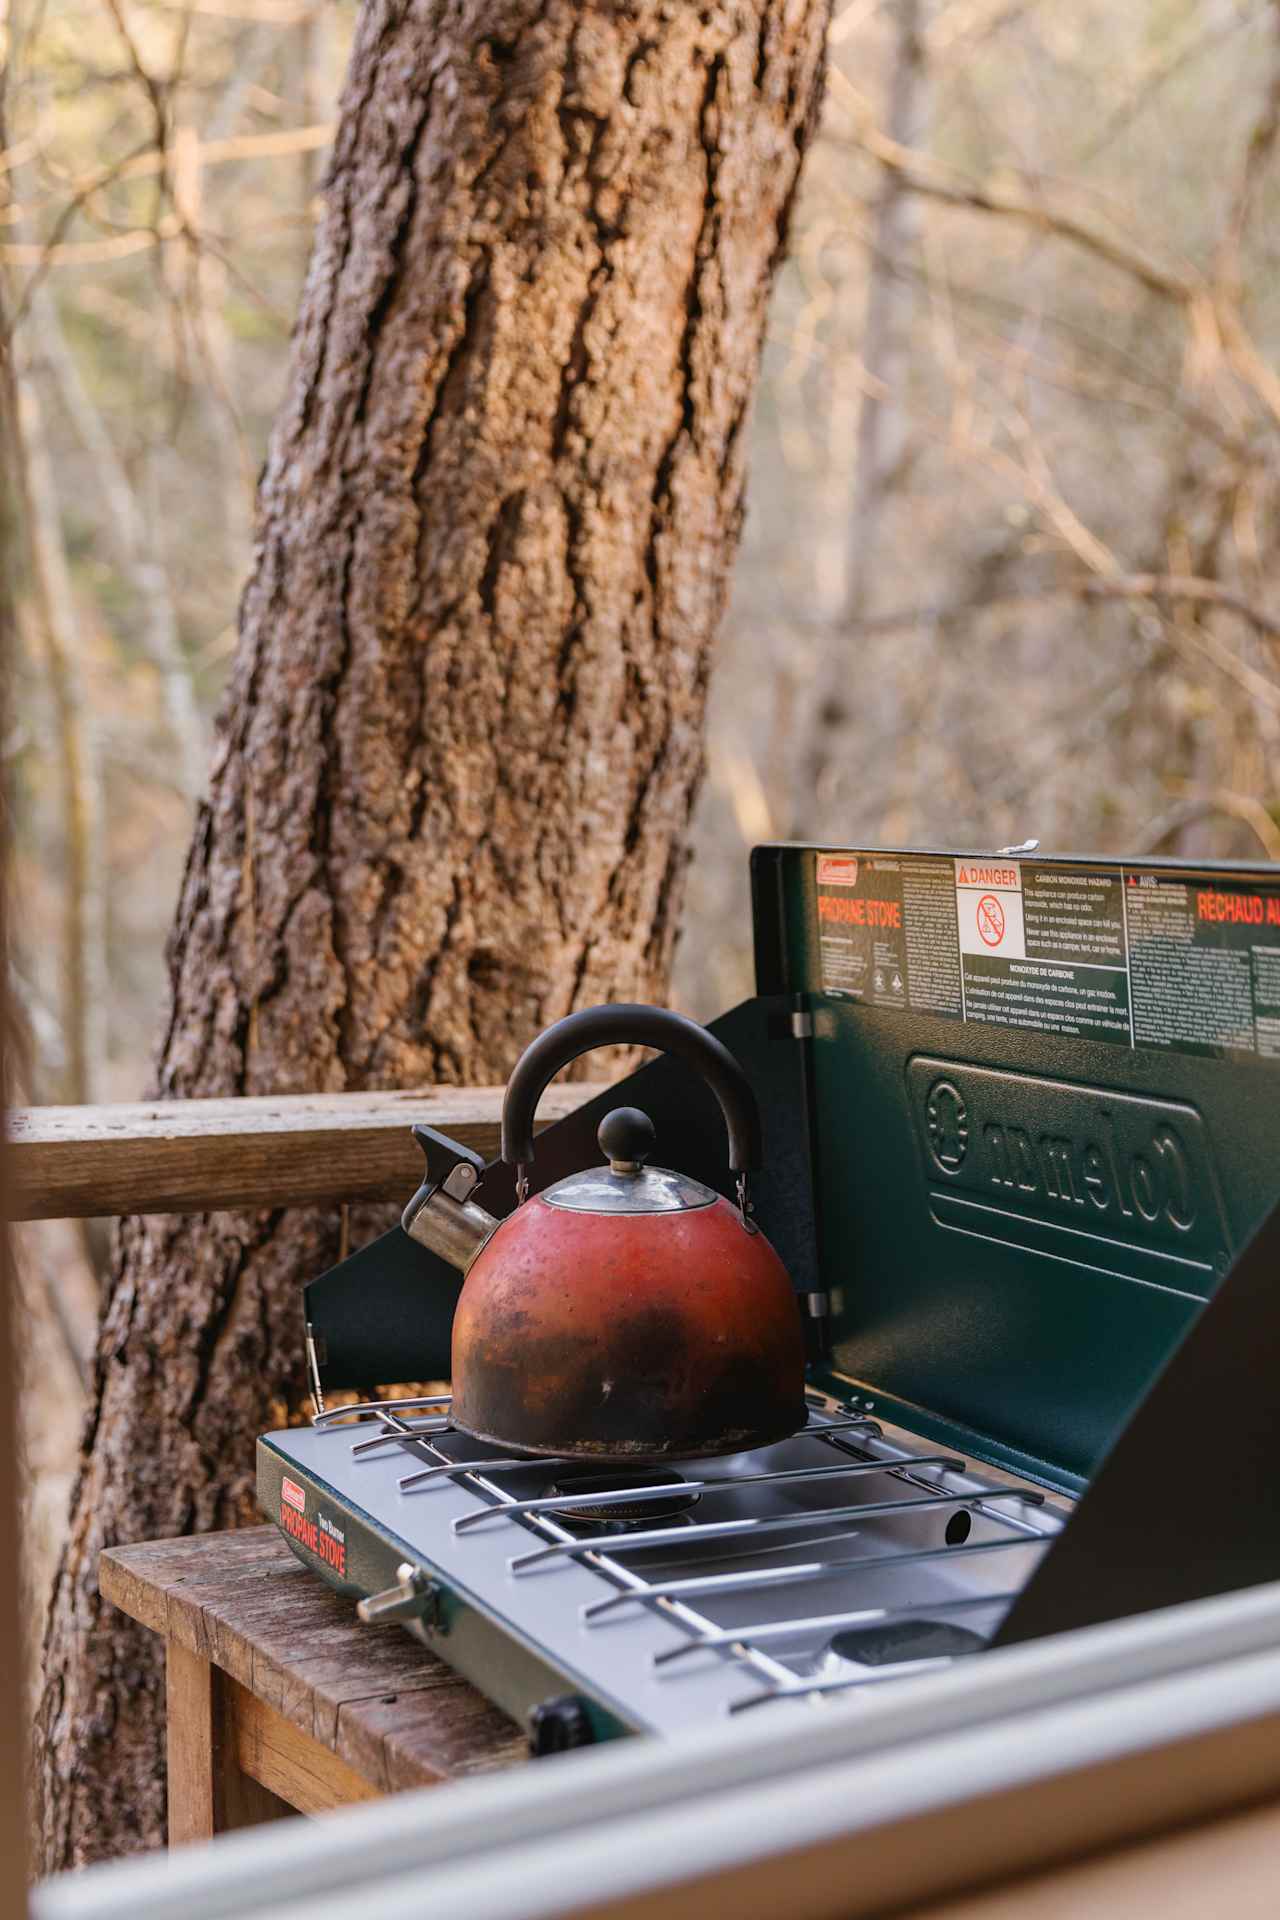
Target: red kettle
[{"x": 628, "y": 1312}]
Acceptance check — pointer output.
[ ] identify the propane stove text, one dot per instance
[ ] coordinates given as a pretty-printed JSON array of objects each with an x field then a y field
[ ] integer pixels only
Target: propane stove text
[{"x": 319, "y": 1536}]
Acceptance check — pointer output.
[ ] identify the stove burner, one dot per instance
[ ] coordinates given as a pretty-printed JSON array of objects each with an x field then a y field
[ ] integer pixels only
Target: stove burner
[
  {"x": 625, "y": 1513},
  {"x": 905, "y": 1640}
]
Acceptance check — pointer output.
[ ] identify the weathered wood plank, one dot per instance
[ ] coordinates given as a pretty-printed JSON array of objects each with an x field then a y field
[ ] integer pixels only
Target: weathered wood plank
[
  {"x": 139, "y": 1579},
  {"x": 210, "y": 1790},
  {"x": 371, "y": 1696},
  {"x": 290, "y": 1764},
  {"x": 391, "y": 1732},
  {"x": 201, "y": 1156},
  {"x": 193, "y": 1747}
]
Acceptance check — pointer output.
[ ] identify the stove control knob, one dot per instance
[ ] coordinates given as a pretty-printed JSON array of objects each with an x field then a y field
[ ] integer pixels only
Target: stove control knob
[
  {"x": 557, "y": 1725},
  {"x": 409, "y": 1599}
]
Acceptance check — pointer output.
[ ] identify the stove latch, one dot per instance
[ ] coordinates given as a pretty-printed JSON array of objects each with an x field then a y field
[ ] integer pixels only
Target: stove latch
[{"x": 413, "y": 1597}]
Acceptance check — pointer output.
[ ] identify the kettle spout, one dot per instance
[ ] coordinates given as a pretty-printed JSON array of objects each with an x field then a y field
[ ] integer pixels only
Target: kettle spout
[{"x": 441, "y": 1215}]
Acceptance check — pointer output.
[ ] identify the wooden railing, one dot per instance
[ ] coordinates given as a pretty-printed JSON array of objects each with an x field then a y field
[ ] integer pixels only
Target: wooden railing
[{"x": 198, "y": 1156}]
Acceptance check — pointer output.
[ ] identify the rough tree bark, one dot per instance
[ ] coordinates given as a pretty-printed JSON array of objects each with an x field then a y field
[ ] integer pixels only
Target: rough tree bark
[{"x": 456, "y": 761}]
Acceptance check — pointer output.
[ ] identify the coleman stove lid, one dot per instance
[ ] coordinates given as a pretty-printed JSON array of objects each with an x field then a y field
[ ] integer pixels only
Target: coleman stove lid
[
  {"x": 627, "y": 1185},
  {"x": 1043, "y": 1108}
]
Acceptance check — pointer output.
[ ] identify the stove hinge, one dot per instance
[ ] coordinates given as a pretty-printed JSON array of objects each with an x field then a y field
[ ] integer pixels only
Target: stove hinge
[
  {"x": 816, "y": 1308},
  {"x": 317, "y": 1355}
]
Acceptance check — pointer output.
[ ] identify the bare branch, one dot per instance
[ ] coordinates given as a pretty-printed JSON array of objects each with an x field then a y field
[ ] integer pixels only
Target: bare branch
[
  {"x": 1204, "y": 806},
  {"x": 1123, "y": 586},
  {"x": 42, "y": 256},
  {"x": 84, "y": 253},
  {"x": 1213, "y": 313},
  {"x": 141, "y": 162},
  {"x": 969, "y": 22},
  {"x": 1258, "y": 151},
  {"x": 1144, "y": 89},
  {"x": 135, "y": 551},
  {"x": 929, "y": 177},
  {"x": 1175, "y": 586},
  {"x": 84, "y": 962},
  {"x": 275, "y": 13},
  {"x": 881, "y": 433}
]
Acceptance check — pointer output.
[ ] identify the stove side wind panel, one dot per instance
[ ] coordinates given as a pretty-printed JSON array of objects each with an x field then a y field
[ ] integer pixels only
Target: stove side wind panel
[{"x": 1045, "y": 1099}]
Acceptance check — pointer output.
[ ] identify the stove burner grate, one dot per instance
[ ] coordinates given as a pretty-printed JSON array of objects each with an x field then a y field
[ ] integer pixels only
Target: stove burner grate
[{"x": 603, "y": 1516}]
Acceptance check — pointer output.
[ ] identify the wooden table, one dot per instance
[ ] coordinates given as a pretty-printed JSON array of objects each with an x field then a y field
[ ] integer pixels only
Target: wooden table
[{"x": 279, "y": 1700}]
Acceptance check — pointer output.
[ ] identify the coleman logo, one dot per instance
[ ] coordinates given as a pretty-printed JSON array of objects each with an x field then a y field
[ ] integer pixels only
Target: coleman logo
[
  {"x": 293, "y": 1495},
  {"x": 947, "y": 1124},
  {"x": 837, "y": 871},
  {"x": 1080, "y": 1173},
  {"x": 1098, "y": 1174}
]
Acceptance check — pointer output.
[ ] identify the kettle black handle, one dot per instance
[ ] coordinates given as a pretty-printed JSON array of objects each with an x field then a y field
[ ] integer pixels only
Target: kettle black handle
[{"x": 630, "y": 1026}]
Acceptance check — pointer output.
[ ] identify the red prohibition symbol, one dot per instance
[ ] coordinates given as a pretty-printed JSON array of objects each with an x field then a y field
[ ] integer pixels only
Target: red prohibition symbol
[{"x": 991, "y": 920}]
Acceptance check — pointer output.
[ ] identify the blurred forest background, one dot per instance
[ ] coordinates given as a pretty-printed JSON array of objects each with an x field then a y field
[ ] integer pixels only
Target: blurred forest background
[{"x": 1014, "y": 498}]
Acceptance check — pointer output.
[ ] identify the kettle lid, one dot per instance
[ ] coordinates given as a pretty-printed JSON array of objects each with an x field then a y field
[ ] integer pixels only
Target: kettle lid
[{"x": 627, "y": 1185}]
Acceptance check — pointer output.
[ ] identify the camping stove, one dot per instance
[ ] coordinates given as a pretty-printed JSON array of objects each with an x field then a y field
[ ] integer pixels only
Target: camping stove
[
  {"x": 1020, "y": 1119},
  {"x": 655, "y": 1599}
]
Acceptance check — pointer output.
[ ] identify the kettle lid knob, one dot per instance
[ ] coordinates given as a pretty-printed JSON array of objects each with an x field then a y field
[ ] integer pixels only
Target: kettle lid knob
[{"x": 626, "y": 1138}]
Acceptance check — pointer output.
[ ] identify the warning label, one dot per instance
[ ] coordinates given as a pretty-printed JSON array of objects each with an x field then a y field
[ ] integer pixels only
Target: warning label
[
  {"x": 1043, "y": 948},
  {"x": 1127, "y": 957},
  {"x": 1205, "y": 964},
  {"x": 887, "y": 929},
  {"x": 989, "y": 905}
]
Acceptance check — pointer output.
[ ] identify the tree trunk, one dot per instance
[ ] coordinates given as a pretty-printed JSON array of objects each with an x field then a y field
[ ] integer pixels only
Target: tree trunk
[
  {"x": 882, "y": 427},
  {"x": 61, "y": 644},
  {"x": 457, "y": 757}
]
